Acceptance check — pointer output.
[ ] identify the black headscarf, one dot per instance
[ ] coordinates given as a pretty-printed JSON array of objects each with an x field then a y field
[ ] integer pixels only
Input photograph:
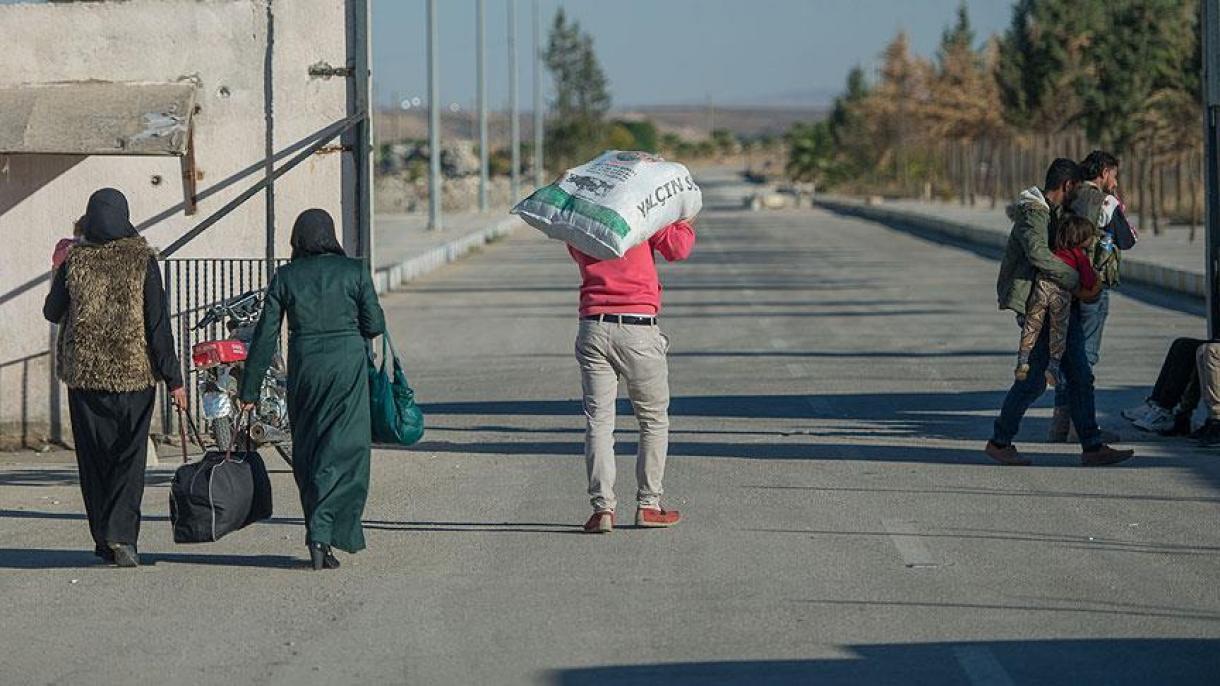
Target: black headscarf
[
  {"x": 314, "y": 234},
  {"x": 107, "y": 218}
]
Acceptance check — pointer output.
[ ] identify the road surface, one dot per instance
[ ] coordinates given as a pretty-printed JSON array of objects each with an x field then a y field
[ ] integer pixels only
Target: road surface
[{"x": 833, "y": 383}]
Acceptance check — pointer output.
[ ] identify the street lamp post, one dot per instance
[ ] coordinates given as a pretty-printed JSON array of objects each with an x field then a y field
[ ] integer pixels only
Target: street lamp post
[
  {"x": 482, "y": 87},
  {"x": 434, "y": 122},
  {"x": 539, "y": 174},
  {"x": 515, "y": 123},
  {"x": 1211, "y": 172}
]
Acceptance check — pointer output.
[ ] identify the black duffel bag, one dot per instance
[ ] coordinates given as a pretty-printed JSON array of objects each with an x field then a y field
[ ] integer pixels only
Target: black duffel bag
[{"x": 219, "y": 494}]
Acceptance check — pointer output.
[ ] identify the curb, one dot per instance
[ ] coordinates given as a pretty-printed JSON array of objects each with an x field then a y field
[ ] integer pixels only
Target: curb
[
  {"x": 394, "y": 276},
  {"x": 1134, "y": 269}
]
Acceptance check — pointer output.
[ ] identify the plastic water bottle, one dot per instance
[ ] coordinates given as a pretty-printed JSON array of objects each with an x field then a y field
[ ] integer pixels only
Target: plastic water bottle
[{"x": 1107, "y": 241}]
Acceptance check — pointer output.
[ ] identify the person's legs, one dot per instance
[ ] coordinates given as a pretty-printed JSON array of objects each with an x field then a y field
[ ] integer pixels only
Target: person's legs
[
  {"x": 1036, "y": 314},
  {"x": 1092, "y": 322},
  {"x": 1059, "y": 304},
  {"x": 134, "y": 412},
  {"x": 1208, "y": 356},
  {"x": 1079, "y": 376},
  {"x": 1176, "y": 373},
  {"x": 642, "y": 350},
  {"x": 1023, "y": 393},
  {"x": 91, "y": 459},
  {"x": 599, "y": 382}
]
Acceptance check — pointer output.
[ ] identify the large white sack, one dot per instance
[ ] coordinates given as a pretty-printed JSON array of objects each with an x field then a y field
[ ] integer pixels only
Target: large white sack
[{"x": 612, "y": 204}]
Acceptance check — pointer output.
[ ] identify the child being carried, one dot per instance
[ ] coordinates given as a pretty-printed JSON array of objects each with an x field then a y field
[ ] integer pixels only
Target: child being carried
[{"x": 1049, "y": 304}]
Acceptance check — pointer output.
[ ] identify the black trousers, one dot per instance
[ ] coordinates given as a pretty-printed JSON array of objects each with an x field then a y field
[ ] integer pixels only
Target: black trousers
[
  {"x": 111, "y": 435},
  {"x": 1178, "y": 382}
]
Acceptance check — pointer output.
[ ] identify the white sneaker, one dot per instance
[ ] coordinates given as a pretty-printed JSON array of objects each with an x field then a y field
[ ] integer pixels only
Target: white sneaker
[
  {"x": 1158, "y": 419},
  {"x": 1134, "y": 414}
]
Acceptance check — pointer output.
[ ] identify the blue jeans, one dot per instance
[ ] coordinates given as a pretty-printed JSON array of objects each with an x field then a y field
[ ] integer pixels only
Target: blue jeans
[
  {"x": 1092, "y": 321},
  {"x": 1079, "y": 374}
]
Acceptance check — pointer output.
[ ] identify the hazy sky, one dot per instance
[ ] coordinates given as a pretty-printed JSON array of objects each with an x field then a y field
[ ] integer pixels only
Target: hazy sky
[{"x": 670, "y": 51}]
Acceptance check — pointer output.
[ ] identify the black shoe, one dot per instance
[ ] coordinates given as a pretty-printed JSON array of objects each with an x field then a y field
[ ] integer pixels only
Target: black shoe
[
  {"x": 322, "y": 557},
  {"x": 1209, "y": 433},
  {"x": 125, "y": 554},
  {"x": 105, "y": 553}
]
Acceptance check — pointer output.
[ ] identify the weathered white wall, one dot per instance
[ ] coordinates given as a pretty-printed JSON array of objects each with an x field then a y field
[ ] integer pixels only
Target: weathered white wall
[{"x": 222, "y": 45}]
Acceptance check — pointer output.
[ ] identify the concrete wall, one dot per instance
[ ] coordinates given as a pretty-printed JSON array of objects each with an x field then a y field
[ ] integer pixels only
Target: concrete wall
[{"x": 221, "y": 45}]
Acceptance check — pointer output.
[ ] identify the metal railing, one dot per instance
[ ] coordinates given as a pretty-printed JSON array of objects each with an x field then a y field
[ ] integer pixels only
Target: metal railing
[{"x": 191, "y": 286}]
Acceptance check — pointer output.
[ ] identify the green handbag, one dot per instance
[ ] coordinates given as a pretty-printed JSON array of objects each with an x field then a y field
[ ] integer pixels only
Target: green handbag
[{"x": 396, "y": 417}]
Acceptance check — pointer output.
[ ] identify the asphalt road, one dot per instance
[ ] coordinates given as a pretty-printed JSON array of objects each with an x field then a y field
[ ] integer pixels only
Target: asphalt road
[{"x": 833, "y": 383}]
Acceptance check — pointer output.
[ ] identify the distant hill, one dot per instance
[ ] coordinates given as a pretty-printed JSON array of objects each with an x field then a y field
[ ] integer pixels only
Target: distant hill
[
  {"x": 694, "y": 122},
  {"x": 689, "y": 121}
]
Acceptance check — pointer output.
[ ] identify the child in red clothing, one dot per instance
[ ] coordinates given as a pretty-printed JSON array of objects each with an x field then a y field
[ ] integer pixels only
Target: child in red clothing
[
  {"x": 1050, "y": 304},
  {"x": 65, "y": 244}
]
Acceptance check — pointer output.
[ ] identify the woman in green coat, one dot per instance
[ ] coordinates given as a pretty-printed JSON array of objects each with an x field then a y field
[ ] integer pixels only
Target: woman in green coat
[{"x": 332, "y": 311}]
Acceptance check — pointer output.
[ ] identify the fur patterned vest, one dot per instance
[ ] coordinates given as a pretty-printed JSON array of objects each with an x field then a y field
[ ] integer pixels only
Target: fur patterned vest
[{"x": 102, "y": 342}]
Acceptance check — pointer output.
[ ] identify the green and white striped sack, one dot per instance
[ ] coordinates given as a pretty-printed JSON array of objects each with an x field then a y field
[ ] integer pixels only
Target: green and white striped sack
[{"x": 606, "y": 207}]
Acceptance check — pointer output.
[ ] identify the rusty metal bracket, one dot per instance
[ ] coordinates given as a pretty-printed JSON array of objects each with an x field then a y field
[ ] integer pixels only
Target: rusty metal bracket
[
  {"x": 190, "y": 201},
  {"x": 332, "y": 149},
  {"x": 324, "y": 70}
]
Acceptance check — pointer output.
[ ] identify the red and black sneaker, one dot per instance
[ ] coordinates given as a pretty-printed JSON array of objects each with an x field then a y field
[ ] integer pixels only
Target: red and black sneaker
[
  {"x": 602, "y": 522},
  {"x": 656, "y": 517}
]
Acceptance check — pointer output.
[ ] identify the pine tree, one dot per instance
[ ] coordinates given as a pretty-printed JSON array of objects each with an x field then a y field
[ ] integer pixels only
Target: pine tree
[
  {"x": 577, "y": 130},
  {"x": 1042, "y": 59}
]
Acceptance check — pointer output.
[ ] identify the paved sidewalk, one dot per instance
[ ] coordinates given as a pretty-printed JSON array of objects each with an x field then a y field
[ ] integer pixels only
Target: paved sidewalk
[
  {"x": 404, "y": 248},
  {"x": 1169, "y": 261}
]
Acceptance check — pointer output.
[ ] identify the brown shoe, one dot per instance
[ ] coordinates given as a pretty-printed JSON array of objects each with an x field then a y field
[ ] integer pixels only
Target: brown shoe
[
  {"x": 1103, "y": 435},
  {"x": 1104, "y": 455},
  {"x": 656, "y": 517},
  {"x": 1061, "y": 425},
  {"x": 602, "y": 522},
  {"x": 1007, "y": 455}
]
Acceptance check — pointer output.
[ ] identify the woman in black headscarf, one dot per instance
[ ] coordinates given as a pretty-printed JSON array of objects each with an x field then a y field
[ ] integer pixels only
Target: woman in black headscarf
[
  {"x": 114, "y": 345},
  {"x": 332, "y": 311}
]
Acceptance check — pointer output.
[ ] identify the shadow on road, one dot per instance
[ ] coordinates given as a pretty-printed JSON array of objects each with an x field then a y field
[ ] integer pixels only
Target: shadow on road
[
  {"x": 949, "y": 415},
  {"x": 44, "y": 558},
  {"x": 1048, "y": 662},
  {"x": 66, "y": 476},
  {"x": 477, "y": 527}
]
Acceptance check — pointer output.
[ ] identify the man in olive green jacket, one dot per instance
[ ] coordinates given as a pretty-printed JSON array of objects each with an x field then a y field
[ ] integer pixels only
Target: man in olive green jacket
[
  {"x": 1027, "y": 254},
  {"x": 1028, "y": 251}
]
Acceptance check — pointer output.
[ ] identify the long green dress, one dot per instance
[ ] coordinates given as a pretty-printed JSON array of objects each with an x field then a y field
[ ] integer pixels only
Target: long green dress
[{"x": 332, "y": 310}]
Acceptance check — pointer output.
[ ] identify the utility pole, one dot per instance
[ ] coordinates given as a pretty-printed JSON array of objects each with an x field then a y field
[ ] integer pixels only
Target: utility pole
[
  {"x": 482, "y": 68},
  {"x": 360, "y": 137},
  {"x": 539, "y": 173},
  {"x": 434, "y": 122},
  {"x": 513, "y": 107},
  {"x": 1211, "y": 173}
]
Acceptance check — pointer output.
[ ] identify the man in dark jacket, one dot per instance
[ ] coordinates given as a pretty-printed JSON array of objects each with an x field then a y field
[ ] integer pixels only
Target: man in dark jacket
[
  {"x": 1100, "y": 173},
  {"x": 1027, "y": 254}
]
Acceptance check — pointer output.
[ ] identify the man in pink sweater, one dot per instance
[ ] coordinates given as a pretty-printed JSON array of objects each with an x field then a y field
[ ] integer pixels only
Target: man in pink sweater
[{"x": 619, "y": 337}]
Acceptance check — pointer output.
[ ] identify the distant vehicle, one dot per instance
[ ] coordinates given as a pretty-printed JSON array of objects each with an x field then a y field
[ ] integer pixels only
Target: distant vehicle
[{"x": 754, "y": 177}]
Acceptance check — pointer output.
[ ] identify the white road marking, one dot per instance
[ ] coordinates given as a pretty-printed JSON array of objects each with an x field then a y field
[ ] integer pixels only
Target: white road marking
[
  {"x": 779, "y": 344},
  {"x": 905, "y": 537},
  {"x": 797, "y": 371},
  {"x": 981, "y": 666}
]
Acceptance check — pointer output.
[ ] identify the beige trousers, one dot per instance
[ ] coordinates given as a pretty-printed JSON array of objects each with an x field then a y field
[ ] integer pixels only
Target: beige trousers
[
  {"x": 1208, "y": 358},
  {"x": 607, "y": 352}
]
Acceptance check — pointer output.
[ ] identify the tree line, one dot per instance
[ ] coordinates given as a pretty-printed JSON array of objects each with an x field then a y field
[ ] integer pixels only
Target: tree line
[{"x": 982, "y": 121}]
